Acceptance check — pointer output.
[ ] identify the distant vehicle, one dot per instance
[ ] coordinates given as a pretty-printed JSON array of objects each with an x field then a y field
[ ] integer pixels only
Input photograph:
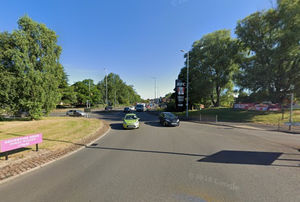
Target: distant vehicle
[
  {"x": 131, "y": 108},
  {"x": 168, "y": 119},
  {"x": 127, "y": 110},
  {"x": 75, "y": 113},
  {"x": 131, "y": 121},
  {"x": 108, "y": 108},
  {"x": 140, "y": 108}
]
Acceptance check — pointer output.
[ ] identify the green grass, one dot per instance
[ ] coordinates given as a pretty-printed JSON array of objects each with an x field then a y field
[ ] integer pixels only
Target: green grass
[
  {"x": 229, "y": 114},
  {"x": 58, "y": 132}
]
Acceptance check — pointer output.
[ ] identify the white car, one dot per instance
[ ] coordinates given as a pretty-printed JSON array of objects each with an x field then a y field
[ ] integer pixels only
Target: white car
[{"x": 131, "y": 108}]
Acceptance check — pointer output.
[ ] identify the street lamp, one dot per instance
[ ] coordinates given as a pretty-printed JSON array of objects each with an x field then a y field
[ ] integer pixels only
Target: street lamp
[
  {"x": 187, "y": 81},
  {"x": 154, "y": 88},
  {"x": 105, "y": 86}
]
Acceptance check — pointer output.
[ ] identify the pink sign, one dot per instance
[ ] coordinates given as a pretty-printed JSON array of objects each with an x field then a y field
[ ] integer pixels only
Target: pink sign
[{"x": 19, "y": 142}]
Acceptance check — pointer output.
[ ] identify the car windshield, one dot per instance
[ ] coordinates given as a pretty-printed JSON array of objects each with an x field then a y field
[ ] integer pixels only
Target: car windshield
[
  {"x": 131, "y": 117},
  {"x": 139, "y": 106},
  {"x": 170, "y": 115}
]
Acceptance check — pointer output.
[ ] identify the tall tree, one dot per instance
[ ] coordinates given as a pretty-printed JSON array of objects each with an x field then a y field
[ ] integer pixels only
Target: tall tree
[
  {"x": 86, "y": 90},
  {"x": 212, "y": 64},
  {"x": 29, "y": 61},
  {"x": 118, "y": 91},
  {"x": 272, "y": 66}
]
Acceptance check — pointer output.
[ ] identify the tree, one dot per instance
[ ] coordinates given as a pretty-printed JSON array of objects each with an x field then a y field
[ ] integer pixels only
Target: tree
[
  {"x": 29, "y": 64},
  {"x": 212, "y": 64},
  {"x": 118, "y": 91},
  {"x": 86, "y": 90},
  {"x": 272, "y": 65}
]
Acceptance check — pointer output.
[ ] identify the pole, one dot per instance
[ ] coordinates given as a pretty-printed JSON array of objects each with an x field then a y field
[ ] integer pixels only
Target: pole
[
  {"x": 291, "y": 111},
  {"x": 155, "y": 89},
  {"x": 89, "y": 103},
  {"x": 115, "y": 100},
  {"x": 187, "y": 85},
  {"x": 105, "y": 86}
]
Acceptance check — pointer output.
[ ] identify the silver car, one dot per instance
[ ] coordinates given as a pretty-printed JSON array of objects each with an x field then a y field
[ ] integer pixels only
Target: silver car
[{"x": 75, "y": 113}]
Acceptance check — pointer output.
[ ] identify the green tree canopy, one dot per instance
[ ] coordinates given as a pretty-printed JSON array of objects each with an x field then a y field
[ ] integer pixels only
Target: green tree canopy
[
  {"x": 212, "y": 64},
  {"x": 86, "y": 90},
  {"x": 118, "y": 92},
  {"x": 30, "y": 69},
  {"x": 272, "y": 38}
]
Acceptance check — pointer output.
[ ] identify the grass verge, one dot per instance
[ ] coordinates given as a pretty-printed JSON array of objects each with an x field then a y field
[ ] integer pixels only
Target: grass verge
[
  {"x": 232, "y": 115},
  {"x": 58, "y": 132}
]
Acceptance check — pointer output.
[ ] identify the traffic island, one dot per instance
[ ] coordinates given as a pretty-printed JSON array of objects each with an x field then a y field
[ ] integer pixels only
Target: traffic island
[{"x": 76, "y": 134}]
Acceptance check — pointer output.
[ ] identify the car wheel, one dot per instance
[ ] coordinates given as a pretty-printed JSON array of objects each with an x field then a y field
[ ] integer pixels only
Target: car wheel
[{"x": 165, "y": 124}]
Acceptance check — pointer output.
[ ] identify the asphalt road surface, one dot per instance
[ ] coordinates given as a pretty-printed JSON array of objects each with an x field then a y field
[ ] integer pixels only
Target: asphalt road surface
[{"x": 192, "y": 162}]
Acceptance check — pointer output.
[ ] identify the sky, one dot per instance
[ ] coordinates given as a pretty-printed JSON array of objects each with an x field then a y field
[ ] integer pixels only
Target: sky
[{"x": 140, "y": 40}]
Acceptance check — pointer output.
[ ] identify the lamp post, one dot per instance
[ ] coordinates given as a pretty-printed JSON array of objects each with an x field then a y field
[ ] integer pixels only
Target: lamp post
[
  {"x": 187, "y": 82},
  {"x": 154, "y": 88},
  {"x": 105, "y": 86}
]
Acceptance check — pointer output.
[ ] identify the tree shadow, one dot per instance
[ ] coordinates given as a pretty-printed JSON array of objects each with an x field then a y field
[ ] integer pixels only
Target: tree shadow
[
  {"x": 247, "y": 157},
  {"x": 242, "y": 157},
  {"x": 223, "y": 157}
]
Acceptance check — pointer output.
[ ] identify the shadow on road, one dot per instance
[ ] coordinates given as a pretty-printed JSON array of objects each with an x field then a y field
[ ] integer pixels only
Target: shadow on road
[
  {"x": 242, "y": 157},
  {"x": 109, "y": 115},
  {"x": 225, "y": 156},
  {"x": 143, "y": 151},
  {"x": 247, "y": 157},
  {"x": 153, "y": 123},
  {"x": 116, "y": 126}
]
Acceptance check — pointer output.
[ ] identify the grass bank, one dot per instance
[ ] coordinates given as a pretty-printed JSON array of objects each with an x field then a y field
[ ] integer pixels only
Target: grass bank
[
  {"x": 58, "y": 132},
  {"x": 229, "y": 114}
]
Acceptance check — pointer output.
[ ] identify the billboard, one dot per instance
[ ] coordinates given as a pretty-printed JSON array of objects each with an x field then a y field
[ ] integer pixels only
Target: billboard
[{"x": 180, "y": 95}]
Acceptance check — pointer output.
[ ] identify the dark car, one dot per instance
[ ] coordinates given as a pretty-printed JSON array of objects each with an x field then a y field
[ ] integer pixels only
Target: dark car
[
  {"x": 168, "y": 119},
  {"x": 127, "y": 110}
]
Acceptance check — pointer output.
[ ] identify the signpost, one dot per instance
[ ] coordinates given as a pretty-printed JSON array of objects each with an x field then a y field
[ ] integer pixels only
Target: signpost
[{"x": 19, "y": 142}]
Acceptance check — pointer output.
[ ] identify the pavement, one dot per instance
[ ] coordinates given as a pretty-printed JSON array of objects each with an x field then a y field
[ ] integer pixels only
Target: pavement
[{"x": 192, "y": 162}]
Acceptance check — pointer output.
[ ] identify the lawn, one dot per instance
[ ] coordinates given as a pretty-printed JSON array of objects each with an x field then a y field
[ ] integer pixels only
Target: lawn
[
  {"x": 58, "y": 132},
  {"x": 229, "y": 114}
]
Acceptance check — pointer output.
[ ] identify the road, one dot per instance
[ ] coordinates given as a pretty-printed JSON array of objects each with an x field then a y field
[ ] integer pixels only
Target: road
[{"x": 192, "y": 162}]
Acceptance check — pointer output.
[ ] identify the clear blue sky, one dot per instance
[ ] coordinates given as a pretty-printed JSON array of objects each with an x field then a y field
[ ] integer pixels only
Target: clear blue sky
[{"x": 137, "y": 39}]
